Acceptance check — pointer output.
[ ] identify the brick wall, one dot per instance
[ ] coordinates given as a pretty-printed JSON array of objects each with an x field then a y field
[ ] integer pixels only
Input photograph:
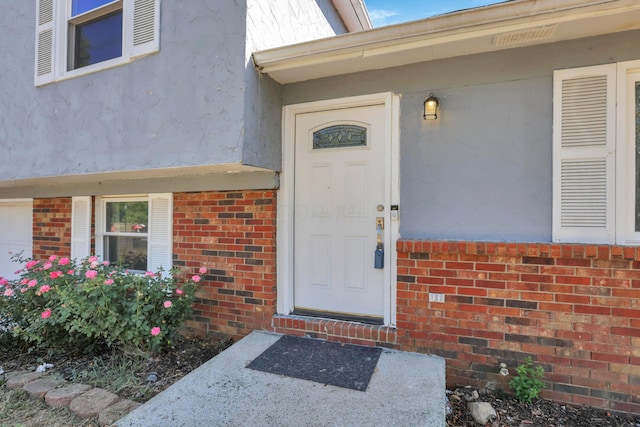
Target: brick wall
[
  {"x": 573, "y": 308},
  {"x": 232, "y": 234},
  {"x": 51, "y": 227}
]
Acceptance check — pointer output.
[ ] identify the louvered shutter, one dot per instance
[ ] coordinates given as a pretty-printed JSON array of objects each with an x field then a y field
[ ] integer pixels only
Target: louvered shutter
[
  {"x": 44, "y": 70},
  {"x": 80, "y": 227},
  {"x": 144, "y": 23},
  {"x": 160, "y": 231},
  {"x": 584, "y": 155}
]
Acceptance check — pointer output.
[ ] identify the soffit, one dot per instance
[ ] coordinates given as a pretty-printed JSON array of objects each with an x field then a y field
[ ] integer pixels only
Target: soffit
[{"x": 507, "y": 25}]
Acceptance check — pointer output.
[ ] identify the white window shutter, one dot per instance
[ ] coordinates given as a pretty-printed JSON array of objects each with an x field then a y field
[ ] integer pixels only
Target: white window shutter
[
  {"x": 584, "y": 155},
  {"x": 144, "y": 25},
  {"x": 160, "y": 244},
  {"x": 45, "y": 42},
  {"x": 80, "y": 227}
]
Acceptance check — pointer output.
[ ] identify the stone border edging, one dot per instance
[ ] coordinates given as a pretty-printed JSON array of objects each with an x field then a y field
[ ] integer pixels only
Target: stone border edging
[{"x": 83, "y": 400}]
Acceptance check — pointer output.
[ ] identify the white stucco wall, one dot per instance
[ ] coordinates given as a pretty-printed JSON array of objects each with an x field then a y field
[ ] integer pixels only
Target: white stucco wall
[
  {"x": 271, "y": 24},
  {"x": 277, "y": 23}
]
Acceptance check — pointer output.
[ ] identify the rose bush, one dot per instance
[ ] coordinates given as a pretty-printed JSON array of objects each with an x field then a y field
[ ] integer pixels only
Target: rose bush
[{"x": 67, "y": 303}]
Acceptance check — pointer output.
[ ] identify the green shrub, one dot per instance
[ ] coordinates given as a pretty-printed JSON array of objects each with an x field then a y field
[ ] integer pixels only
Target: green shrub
[
  {"x": 67, "y": 303},
  {"x": 528, "y": 383}
]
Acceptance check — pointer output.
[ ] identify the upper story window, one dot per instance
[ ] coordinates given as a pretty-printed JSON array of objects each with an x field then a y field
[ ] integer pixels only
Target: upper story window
[
  {"x": 596, "y": 154},
  {"x": 77, "y": 37},
  {"x": 95, "y": 32}
]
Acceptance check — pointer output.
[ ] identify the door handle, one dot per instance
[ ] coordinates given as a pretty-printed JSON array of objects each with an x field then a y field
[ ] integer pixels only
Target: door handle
[{"x": 378, "y": 261}]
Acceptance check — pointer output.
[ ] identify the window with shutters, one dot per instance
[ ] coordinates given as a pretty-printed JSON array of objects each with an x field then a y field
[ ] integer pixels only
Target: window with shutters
[
  {"x": 76, "y": 37},
  {"x": 134, "y": 232},
  {"x": 596, "y": 154}
]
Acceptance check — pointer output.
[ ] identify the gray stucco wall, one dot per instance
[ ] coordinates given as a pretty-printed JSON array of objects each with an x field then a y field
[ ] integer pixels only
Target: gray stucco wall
[
  {"x": 181, "y": 107},
  {"x": 197, "y": 102},
  {"x": 484, "y": 169}
]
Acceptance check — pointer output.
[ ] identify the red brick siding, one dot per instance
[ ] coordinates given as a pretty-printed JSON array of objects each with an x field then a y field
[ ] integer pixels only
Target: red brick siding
[
  {"x": 335, "y": 330},
  {"x": 232, "y": 234},
  {"x": 573, "y": 308},
  {"x": 51, "y": 227}
]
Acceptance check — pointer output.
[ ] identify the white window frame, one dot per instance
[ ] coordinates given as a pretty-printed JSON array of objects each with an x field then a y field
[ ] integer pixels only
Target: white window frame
[
  {"x": 140, "y": 36},
  {"x": 628, "y": 73},
  {"x": 619, "y": 154},
  {"x": 68, "y": 37},
  {"x": 101, "y": 224}
]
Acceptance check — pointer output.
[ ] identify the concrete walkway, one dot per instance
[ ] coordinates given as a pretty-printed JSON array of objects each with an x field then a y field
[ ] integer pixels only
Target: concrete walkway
[{"x": 407, "y": 389}]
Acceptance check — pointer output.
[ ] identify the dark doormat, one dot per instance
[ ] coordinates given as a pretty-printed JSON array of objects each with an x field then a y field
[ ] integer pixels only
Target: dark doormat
[{"x": 341, "y": 365}]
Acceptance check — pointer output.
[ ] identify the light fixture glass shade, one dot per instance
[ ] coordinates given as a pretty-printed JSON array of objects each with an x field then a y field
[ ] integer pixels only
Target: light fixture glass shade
[{"x": 431, "y": 105}]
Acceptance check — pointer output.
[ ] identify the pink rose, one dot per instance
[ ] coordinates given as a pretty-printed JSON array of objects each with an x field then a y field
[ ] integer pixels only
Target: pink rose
[
  {"x": 155, "y": 331},
  {"x": 91, "y": 274},
  {"x": 44, "y": 289},
  {"x": 167, "y": 304},
  {"x": 47, "y": 265},
  {"x": 108, "y": 282},
  {"x": 32, "y": 263},
  {"x": 93, "y": 259},
  {"x": 55, "y": 274},
  {"x": 3, "y": 281},
  {"x": 32, "y": 283},
  {"x": 149, "y": 274},
  {"x": 195, "y": 278},
  {"x": 53, "y": 258},
  {"x": 106, "y": 263},
  {"x": 70, "y": 272},
  {"x": 24, "y": 281},
  {"x": 8, "y": 292},
  {"x": 179, "y": 292},
  {"x": 46, "y": 314},
  {"x": 63, "y": 261},
  {"x": 202, "y": 270}
]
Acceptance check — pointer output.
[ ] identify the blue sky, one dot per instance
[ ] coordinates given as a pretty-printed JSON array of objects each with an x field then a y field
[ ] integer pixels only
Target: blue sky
[{"x": 387, "y": 12}]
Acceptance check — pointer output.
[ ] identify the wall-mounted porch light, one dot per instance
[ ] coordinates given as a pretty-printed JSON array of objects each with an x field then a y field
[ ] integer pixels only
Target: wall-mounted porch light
[{"x": 431, "y": 105}]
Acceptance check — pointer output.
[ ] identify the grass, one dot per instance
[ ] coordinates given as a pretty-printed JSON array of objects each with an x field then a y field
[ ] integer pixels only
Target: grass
[{"x": 18, "y": 409}]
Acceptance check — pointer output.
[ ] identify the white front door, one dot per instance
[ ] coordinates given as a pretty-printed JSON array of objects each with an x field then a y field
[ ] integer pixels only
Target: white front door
[
  {"x": 15, "y": 234},
  {"x": 341, "y": 182}
]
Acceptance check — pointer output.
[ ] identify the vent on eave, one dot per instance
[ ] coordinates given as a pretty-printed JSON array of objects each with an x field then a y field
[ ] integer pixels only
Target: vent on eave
[{"x": 524, "y": 36}]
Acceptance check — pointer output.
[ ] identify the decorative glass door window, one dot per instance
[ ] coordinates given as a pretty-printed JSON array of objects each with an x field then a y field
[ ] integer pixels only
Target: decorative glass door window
[
  {"x": 340, "y": 136},
  {"x": 126, "y": 233}
]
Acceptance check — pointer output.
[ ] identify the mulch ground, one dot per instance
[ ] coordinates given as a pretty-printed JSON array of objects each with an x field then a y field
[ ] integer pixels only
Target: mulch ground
[
  {"x": 150, "y": 376},
  {"x": 543, "y": 413}
]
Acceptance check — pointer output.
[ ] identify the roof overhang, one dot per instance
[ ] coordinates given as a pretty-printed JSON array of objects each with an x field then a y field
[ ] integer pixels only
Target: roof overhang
[
  {"x": 354, "y": 14},
  {"x": 501, "y": 26}
]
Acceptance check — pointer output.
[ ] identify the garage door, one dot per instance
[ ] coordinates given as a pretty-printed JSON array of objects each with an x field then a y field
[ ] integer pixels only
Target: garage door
[{"x": 15, "y": 234}]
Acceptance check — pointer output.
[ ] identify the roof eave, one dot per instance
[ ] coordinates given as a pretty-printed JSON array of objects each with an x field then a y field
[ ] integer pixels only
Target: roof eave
[
  {"x": 454, "y": 34},
  {"x": 354, "y": 14}
]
